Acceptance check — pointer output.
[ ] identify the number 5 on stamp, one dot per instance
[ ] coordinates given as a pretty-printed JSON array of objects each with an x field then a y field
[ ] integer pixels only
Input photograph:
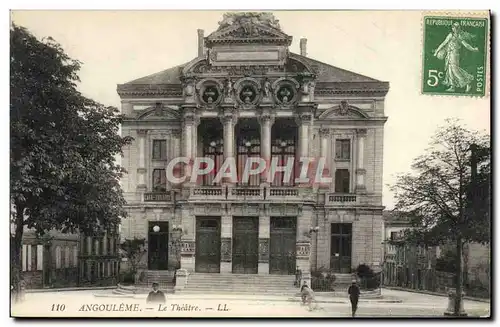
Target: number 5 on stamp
[{"x": 455, "y": 55}]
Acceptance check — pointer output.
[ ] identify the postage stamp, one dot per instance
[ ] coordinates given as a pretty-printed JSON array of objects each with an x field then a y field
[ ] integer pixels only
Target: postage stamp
[{"x": 455, "y": 55}]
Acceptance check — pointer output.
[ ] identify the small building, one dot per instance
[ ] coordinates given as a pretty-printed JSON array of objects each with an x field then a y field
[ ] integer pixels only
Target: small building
[
  {"x": 99, "y": 259},
  {"x": 50, "y": 261},
  {"x": 406, "y": 265}
]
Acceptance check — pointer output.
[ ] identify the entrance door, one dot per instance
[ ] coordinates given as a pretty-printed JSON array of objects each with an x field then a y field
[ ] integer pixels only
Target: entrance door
[
  {"x": 207, "y": 245},
  {"x": 282, "y": 245},
  {"x": 245, "y": 245},
  {"x": 158, "y": 245},
  {"x": 341, "y": 241}
]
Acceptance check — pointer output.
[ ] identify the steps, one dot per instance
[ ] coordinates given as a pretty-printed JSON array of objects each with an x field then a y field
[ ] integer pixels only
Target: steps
[
  {"x": 202, "y": 283},
  {"x": 164, "y": 278}
]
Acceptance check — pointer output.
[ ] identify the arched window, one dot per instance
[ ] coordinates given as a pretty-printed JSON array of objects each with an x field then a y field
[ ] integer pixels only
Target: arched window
[
  {"x": 58, "y": 257},
  {"x": 283, "y": 148},
  {"x": 75, "y": 256},
  {"x": 247, "y": 145},
  {"x": 66, "y": 257}
]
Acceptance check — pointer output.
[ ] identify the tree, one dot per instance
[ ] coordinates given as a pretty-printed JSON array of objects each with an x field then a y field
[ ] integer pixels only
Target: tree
[
  {"x": 63, "y": 174},
  {"x": 437, "y": 194},
  {"x": 134, "y": 250}
]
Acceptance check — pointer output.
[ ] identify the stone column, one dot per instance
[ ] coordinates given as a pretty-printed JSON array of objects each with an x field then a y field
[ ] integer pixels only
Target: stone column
[
  {"x": 194, "y": 130},
  {"x": 188, "y": 244},
  {"x": 303, "y": 244},
  {"x": 266, "y": 123},
  {"x": 324, "y": 134},
  {"x": 229, "y": 122},
  {"x": 188, "y": 125},
  {"x": 141, "y": 168},
  {"x": 360, "y": 169},
  {"x": 264, "y": 235},
  {"x": 304, "y": 122},
  {"x": 226, "y": 244}
]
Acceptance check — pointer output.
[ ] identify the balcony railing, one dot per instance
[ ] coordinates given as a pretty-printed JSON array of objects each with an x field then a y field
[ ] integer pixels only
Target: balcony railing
[
  {"x": 158, "y": 197},
  {"x": 282, "y": 193},
  {"x": 341, "y": 199},
  {"x": 245, "y": 193},
  {"x": 208, "y": 192}
]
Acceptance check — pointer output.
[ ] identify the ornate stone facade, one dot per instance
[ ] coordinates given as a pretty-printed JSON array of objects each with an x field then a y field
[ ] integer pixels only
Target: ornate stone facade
[{"x": 246, "y": 76}]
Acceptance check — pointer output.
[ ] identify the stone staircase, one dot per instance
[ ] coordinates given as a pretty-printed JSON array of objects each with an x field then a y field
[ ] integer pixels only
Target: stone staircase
[
  {"x": 204, "y": 283},
  {"x": 164, "y": 278}
]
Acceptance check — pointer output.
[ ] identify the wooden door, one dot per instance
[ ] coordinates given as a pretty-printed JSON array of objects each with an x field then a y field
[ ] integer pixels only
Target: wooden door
[
  {"x": 341, "y": 248},
  {"x": 207, "y": 245},
  {"x": 245, "y": 245},
  {"x": 282, "y": 246},
  {"x": 158, "y": 246}
]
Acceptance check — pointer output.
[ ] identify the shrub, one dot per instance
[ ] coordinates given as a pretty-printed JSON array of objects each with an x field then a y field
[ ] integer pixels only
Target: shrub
[
  {"x": 369, "y": 279},
  {"x": 127, "y": 278}
]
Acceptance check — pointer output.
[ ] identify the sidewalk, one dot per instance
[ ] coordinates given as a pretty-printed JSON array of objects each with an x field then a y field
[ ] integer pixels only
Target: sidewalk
[
  {"x": 432, "y": 293},
  {"x": 68, "y": 289},
  {"x": 264, "y": 298}
]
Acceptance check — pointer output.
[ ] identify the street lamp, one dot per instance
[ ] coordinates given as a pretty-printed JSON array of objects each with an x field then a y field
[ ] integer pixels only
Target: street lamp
[
  {"x": 156, "y": 228},
  {"x": 213, "y": 144}
]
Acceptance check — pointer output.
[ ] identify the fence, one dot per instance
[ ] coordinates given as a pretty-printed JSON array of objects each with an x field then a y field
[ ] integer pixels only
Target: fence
[{"x": 432, "y": 280}]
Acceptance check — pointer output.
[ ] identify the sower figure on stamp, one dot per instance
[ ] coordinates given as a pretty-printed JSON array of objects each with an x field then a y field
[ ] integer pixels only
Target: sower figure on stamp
[
  {"x": 156, "y": 296},
  {"x": 449, "y": 50},
  {"x": 354, "y": 292}
]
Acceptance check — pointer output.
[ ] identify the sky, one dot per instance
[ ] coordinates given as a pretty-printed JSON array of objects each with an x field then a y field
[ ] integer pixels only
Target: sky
[{"x": 119, "y": 46}]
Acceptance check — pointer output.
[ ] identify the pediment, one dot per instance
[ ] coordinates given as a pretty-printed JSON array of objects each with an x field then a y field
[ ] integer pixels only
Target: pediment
[
  {"x": 158, "y": 112},
  {"x": 343, "y": 112}
]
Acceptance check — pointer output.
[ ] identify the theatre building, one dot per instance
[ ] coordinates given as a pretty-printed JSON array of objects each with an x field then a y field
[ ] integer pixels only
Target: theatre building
[{"x": 246, "y": 95}]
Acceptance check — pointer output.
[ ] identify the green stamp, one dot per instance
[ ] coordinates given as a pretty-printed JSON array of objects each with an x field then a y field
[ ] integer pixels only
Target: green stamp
[{"x": 455, "y": 55}]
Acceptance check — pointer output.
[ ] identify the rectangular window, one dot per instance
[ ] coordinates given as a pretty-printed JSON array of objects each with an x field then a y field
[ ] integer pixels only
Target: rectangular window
[
  {"x": 394, "y": 235},
  {"x": 343, "y": 149},
  {"x": 39, "y": 257},
  {"x": 159, "y": 149},
  {"x": 342, "y": 181},
  {"x": 159, "y": 180}
]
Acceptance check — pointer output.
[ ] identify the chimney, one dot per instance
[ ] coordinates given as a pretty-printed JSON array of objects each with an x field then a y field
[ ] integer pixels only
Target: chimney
[
  {"x": 201, "y": 43},
  {"x": 303, "y": 47}
]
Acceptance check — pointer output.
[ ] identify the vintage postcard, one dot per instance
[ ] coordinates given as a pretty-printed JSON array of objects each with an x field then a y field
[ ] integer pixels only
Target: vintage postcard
[{"x": 250, "y": 164}]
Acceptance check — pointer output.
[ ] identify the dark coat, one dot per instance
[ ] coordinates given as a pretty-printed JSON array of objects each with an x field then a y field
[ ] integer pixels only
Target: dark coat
[
  {"x": 156, "y": 297},
  {"x": 354, "y": 291}
]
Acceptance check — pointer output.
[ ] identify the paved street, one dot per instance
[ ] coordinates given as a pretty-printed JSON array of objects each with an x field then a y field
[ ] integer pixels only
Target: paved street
[{"x": 86, "y": 304}]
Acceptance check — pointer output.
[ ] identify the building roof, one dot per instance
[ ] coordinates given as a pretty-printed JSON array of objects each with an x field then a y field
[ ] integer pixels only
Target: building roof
[
  {"x": 325, "y": 73},
  {"x": 396, "y": 218}
]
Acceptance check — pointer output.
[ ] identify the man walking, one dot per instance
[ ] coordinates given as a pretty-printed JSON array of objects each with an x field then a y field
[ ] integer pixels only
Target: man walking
[
  {"x": 354, "y": 292},
  {"x": 156, "y": 296}
]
